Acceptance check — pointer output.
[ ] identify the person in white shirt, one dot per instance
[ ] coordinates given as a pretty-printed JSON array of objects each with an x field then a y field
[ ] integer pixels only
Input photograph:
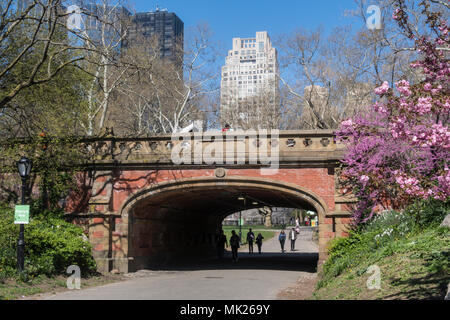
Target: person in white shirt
[{"x": 292, "y": 237}]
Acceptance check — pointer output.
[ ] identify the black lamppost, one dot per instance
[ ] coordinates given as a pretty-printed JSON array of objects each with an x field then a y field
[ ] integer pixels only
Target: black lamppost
[{"x": 24, "y": 167}]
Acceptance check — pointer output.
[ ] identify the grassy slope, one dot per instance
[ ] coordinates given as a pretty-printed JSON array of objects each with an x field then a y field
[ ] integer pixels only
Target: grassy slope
[{"x": 415, "y": 267}]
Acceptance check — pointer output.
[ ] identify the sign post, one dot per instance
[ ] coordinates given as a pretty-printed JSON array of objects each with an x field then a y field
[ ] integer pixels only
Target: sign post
[{"x": 22, "y": 214}]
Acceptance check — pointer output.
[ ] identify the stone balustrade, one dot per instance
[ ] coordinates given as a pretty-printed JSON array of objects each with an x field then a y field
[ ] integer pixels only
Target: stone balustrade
[{"x": 258, "y": 148}]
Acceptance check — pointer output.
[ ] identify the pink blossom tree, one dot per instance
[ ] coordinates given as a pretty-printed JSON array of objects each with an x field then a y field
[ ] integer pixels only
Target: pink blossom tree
[{"x": 398, "y": 149}]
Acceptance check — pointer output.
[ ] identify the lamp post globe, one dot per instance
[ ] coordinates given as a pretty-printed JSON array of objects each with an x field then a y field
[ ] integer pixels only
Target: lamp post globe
[{"x": 24, "y": 167}]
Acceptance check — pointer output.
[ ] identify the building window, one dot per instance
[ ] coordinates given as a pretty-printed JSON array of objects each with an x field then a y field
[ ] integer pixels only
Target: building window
[{"x": 261, "y": 46}]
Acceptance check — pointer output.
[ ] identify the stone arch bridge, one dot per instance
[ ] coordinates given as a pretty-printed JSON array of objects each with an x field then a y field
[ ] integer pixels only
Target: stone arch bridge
[{"x": 146, "y": 201}]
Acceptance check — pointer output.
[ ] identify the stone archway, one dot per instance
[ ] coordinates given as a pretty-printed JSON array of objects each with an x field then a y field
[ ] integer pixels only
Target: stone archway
[{"x": 171, "y": 218}]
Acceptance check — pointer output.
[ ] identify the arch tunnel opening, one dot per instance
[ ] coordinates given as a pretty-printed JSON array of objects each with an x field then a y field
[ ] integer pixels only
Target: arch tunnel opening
[{"x": 177, "y": 226}]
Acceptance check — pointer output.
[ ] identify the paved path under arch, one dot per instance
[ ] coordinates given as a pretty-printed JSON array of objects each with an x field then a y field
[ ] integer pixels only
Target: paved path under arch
[{"x": 256, "y": 276}]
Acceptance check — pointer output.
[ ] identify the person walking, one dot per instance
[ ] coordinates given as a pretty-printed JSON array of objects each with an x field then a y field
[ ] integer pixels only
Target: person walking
[
  {"x": 250, "y": 239},
  {"x": 221, "y": 243},
  {"x": 234, "y": 243},
  {"x": 282, "y": 239},
  {"x": 259, "y": 240},
  {"x": 292, "y": 237},
  {"x": 226, "y": 128}
]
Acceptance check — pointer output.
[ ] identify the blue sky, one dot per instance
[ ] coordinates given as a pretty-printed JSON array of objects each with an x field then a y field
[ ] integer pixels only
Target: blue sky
[{"x": 233, "y": 18}]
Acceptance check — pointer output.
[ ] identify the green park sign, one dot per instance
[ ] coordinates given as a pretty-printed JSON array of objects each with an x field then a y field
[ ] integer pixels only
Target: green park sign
[{"x": 22, "y": 214}]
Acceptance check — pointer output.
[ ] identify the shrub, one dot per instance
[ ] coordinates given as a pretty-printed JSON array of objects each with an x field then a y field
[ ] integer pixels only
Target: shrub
[
  {"x": 8, "y": 240},
  {"x": 340, "y": 246},
  {"x": 429, "y": 213},
  {"x": 51, "y": 245},
  {"x": 398, "y": 148}
]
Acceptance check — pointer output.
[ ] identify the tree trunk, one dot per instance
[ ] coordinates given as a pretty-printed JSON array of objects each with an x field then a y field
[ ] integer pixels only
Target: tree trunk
[{"x": 268, "y": 216}]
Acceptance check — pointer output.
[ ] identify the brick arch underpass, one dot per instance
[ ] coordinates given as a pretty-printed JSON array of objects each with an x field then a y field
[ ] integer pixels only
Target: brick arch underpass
[
  {"x": 139, "y": 208},
  {"x": 179, "y": 219}
]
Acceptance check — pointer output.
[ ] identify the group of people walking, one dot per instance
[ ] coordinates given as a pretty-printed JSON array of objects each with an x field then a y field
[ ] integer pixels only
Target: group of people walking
[
  {"x": 251, "y": 238},
  {"x": 235, "y": 242},
  {"x": 292, "y": 236}
]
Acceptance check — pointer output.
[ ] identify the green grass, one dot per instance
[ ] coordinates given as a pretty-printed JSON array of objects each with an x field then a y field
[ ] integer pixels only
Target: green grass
[
  {"x": 413, "y": 259},
  {"x": 254, "y": 227},
  {"x": 411, "y": 271},
  {"x": 267, "y": 234}
]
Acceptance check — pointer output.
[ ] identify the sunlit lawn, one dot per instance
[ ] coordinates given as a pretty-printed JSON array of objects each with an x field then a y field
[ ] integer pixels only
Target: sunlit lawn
[{"x": 267, "y": 234}]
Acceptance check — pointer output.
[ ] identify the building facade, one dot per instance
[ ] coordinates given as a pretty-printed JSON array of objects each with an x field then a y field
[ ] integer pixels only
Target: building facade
[
  {"x": 249, "y": 84},
  {"x": 166, "y": 26}
]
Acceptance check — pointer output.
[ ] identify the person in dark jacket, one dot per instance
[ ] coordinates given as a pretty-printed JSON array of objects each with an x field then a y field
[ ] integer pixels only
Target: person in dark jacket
[
  {"x": 250, "y": 239},
  {"x": 234, "y": 243},
  {"x": 221, "y": 243},
  {"x": 282, "y": 239},
  {"x": 259, "y": 240}
]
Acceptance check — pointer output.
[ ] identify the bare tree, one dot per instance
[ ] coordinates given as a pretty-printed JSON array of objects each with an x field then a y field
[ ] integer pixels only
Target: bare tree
[
  {"x": 33, "y": 48},
  {"x": 166, "y": 94},
  {"x": 196, "y": 79},
  {"x": 259, "y": 110},
  {"x": 328, "y": 79},
  {"x": 140, "y": 95},
  {"x": 38, "y": 41},
  {"x": 105, "y": 30}
]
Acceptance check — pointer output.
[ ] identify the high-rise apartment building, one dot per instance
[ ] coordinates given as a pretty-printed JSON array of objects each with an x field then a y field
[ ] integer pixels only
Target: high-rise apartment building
[
  {"x": 249, "y": 85},
  {"x": 165, "y": 25}
]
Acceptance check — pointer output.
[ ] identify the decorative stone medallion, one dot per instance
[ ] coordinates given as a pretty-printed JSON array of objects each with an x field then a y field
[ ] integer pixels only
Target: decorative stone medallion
[
  {"x": 307, "y": 142},
  {"x": 325, "y": 142},
  {"x": 290, "y": 143},
  {"x": 153, "y": 145},
  {"x": 220, "y": 173}
]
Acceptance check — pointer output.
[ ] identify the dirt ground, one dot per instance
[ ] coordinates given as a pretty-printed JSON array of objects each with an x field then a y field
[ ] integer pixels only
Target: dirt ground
[{"x": 302, "y": 290}]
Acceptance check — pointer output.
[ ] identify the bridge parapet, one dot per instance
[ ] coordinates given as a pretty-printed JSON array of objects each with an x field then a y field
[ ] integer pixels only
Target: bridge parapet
[{"x": 300, "y": 147}]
